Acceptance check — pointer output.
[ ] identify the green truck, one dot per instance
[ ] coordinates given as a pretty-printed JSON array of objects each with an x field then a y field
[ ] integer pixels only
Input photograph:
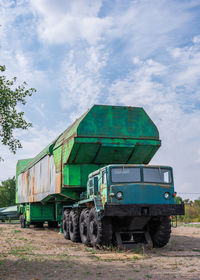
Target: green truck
[{"x": 94, "y": 181}]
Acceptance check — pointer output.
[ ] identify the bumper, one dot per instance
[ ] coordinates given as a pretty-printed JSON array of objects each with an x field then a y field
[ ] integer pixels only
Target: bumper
[{"x": 144, "y": 210}]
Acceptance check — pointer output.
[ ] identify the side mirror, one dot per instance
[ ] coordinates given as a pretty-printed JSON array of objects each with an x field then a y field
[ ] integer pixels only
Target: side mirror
[{"x": 96, "y": 185}]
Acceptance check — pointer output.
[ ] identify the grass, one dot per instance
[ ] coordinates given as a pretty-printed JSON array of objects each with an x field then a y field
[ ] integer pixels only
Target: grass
[
  {"x": 17, "y": 231},
  {"x": 192, "y": 225},
  {"x": 148, "y": 276}
]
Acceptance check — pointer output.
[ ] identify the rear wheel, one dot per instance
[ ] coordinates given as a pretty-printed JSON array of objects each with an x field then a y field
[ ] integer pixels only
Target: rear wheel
[
  {"x": 22, "y": 221},
  {"x": 74, "y": 226},
  {"x": 66, "y": 224},
  {"x": 160, "y": 230},
  {"x": 99, "y": 230},
  {"x": 83, "y": 226}
]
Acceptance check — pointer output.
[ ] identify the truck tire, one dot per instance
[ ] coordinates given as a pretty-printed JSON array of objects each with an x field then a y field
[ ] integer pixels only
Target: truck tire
[
  {"x": 66, "y": 224},
  {"x": 74, "y": 226},
  {"x": 22, "y": 221},
  {"x": 160, "y": 231},
  {"x": 99, "y": 230},
  {"x": 83, "y": 226}
]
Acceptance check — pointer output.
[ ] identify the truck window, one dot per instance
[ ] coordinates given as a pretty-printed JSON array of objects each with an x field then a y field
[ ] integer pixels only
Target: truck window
[
  {"x": 103, "y": 177},
  {"x": 125, "y": 174},
  {"x": 157, "y": 175},
  {"x": 91, "y": 186}
]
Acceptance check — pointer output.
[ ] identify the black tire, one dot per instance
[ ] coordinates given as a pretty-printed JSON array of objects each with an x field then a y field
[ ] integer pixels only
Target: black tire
[
  {"x": 22, "y": 221},
  {"x": 52, "y": 224},
  {"x": 99, "y": 230},
  {"x": 66, "y": 224},
  {"x": 74, "y": 226},
  {"x": 160, "y": 230},
  {"x": 83, "y": 226}
]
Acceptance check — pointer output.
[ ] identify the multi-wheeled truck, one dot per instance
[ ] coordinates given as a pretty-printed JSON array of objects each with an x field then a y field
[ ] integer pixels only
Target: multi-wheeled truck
[{"x": 94, "y": 181}]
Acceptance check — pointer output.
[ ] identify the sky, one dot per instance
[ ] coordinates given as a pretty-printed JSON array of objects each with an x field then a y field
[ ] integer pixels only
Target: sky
[{"x": 77, "y": 53}]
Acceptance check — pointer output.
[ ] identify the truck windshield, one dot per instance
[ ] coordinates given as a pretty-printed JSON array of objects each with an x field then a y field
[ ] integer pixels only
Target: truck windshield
[
  {"x": 157, "y": 175},
  {"x": 125, "y": 174}
]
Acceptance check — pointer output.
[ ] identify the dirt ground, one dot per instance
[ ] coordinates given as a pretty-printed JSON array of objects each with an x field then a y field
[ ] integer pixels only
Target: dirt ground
[{"x": 39, "y": 254}]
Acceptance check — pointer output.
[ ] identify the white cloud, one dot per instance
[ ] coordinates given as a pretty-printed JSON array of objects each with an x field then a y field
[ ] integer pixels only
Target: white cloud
[
  {"x": 70, "y": 21},
  {"x": 81, "y": 79},
  {"x": 156, "y": 87},
  {"x": 33, "y": 141}
]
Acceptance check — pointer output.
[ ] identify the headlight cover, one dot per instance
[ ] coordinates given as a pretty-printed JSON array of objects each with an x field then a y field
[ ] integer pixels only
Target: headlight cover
[
  {"x": 119, "y": 195},
  {"x": 167, "y": 195}
]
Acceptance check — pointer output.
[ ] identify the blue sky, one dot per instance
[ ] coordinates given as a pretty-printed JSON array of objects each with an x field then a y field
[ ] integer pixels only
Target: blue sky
[{"x": 85, "y": 52}]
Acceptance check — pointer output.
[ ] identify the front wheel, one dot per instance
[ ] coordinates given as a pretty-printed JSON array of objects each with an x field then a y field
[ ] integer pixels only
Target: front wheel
[
  {"x": 99, "y": 230},
  {"x": 74, "y": 226},
  {"x": 83, "y": 226},
  {"x": 160, "y": 230}
]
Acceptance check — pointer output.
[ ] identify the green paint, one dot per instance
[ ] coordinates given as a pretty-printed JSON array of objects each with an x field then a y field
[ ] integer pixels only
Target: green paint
[{"x": 103, "y": 135}]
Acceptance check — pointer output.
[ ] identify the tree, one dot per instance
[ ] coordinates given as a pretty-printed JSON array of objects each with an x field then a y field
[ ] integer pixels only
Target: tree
[
  {"x": 7, "y": 192},
  {"x": 10, "y": 118}
]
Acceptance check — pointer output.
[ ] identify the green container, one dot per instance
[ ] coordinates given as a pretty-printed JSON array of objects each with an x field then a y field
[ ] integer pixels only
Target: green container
[{"x": 103, "y": 135}]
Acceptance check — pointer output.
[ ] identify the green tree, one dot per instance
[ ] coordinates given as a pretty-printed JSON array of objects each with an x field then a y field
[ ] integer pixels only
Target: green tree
[
  {"x": 10, "y": 119},
  {"x": 178, "y": 200},
  {"x": 7, "y": 192}
]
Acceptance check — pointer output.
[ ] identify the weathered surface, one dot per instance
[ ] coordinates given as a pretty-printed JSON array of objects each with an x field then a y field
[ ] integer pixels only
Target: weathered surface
[
  {"x": 103, "y": 135},
  {"x": 44, "y": 254}
]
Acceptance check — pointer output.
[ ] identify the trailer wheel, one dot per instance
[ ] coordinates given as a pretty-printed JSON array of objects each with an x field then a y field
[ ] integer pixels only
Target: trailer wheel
[
  {"x": 160, "y": 231},
  {"x": 99, "y": 230},
  {"x": 22, "y": 221},
  {"x": 83, "y": 226},
  {"x": 66, "y": 224},
  {"x": 74, "y": 226}
]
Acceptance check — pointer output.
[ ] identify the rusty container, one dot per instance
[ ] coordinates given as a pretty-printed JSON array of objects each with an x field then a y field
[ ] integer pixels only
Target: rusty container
[{"x": 103, "y": 135}]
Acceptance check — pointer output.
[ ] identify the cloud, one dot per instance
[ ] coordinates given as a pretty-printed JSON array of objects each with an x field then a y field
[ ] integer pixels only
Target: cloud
[
  {"x": 169, "y": 93},
  {"x": 70, "y": 21},
  {"x": 81, "y": 79},
  {"x": 33, "y": 141}
]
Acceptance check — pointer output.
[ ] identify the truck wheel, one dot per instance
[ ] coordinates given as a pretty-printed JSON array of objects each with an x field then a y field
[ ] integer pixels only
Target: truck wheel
[
  {"x": 100, "y": 231},
  {"x": 160, "y": 231},
  {"x": 22, "y": 221},
  {"x": 66, "y": 224},
  {"x": 74, "y": 226},
  {"x": 83, "y": 226}
]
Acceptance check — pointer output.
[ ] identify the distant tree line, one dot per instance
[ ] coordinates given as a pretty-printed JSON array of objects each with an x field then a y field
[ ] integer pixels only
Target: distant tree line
[
  {"x": 7, "y": 192},
  {"x": 192, "y": 210}
]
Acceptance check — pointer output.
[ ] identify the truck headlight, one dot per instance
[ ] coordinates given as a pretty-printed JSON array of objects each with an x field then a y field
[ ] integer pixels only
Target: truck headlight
[
  {"x": 166, "y": 195},
  {"x": 119, "y": 195}
]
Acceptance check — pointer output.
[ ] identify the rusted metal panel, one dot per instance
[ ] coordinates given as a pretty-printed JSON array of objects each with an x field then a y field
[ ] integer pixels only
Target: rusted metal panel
[
  {"x": 103, "y": 135},
  {"x": 39, "y": 181}
]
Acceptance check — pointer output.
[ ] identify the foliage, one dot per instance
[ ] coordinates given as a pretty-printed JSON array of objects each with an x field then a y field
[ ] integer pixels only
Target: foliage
[
  {"x": 7, "y": 192},
  {"x": 10, "y": 119},
  {"x": 192, "y": 210}
]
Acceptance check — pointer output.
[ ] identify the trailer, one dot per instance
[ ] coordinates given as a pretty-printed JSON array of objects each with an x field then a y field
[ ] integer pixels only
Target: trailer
[{"x": 95, "y": 181}]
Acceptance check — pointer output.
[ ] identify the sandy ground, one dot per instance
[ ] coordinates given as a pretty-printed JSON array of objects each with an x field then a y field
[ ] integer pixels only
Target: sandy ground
[{"x": 39, "y": 254}]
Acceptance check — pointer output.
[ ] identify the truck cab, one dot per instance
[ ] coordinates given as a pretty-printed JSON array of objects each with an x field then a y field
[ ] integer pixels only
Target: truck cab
[
  {"x": 120, "y": 184},
  {"x": 128, "y": 203}
]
